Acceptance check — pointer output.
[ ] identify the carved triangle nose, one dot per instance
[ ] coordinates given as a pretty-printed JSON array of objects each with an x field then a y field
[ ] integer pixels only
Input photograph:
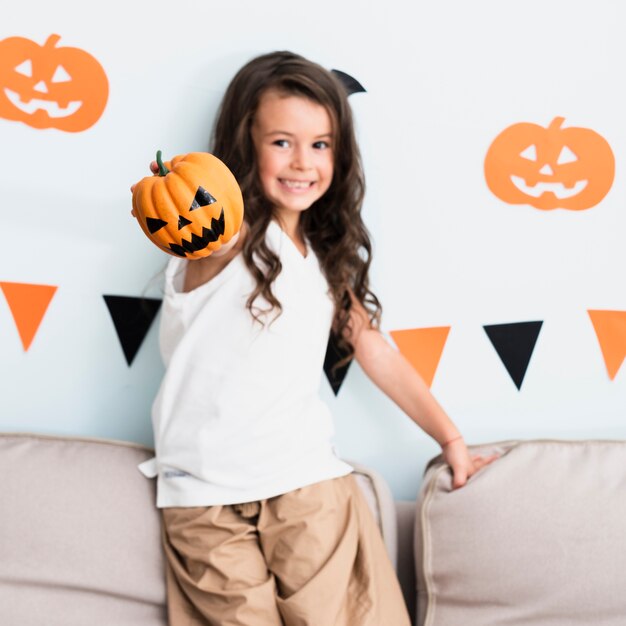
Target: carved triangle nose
[
  {"x": 547, "y": 170},
  {"x": 182, "y": 222}
]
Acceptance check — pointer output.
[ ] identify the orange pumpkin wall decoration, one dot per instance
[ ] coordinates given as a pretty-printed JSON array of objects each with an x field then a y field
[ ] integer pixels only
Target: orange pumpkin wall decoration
[
  {"x": 191, "y": 207},
  {"x": 550, "y": 168},
  {"x": 49, "y": 86}
]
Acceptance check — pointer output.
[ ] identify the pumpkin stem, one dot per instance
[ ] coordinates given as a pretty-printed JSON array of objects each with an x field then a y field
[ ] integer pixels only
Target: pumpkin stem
[
  {"x": 556, "y": 123},
  {"x": 162, "y": 169},
  {"x": 52, "y": 41}
]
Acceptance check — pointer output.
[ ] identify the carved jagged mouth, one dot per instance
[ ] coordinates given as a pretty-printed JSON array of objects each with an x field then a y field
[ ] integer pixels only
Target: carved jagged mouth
[
  {"x": 53, "y": 109},
  {"x": 209, "y": 235},
  {"x": 558, "y": 189}
]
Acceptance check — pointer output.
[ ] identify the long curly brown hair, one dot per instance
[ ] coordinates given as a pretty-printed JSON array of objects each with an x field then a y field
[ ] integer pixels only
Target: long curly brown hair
[{"x": 333, "y": 224}]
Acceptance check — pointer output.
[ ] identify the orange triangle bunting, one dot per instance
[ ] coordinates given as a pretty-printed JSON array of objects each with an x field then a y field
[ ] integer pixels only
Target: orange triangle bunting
[
  {"x": 610, "y": 327},
  {"x": 28, "y": 304},
  {"x": 422, "y": 347}
]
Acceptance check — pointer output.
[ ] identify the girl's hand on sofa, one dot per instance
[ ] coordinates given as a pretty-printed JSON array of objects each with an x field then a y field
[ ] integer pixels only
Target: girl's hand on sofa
[{"x": 463, "y": 465}]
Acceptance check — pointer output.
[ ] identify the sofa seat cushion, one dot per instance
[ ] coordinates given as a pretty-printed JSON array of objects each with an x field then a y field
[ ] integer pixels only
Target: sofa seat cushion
[{"x": 538, "y": 537}]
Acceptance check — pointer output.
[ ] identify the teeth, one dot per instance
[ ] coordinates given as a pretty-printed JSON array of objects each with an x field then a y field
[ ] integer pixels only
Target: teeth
[{"x": 296, "y": 184}]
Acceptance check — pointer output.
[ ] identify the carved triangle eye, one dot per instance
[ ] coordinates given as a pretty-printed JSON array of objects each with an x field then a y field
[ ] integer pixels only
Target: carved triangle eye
[
  {"x": 154, "y": 224},
  {"x": 202, "y": 198}
]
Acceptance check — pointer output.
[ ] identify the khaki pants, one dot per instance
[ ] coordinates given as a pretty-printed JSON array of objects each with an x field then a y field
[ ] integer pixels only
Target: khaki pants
[{"x": 311, "y": 557}]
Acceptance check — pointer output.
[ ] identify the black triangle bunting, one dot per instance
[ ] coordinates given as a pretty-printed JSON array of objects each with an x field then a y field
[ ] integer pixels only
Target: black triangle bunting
[
  {"x": 132, "y": 318},
  {"x": 352, "y": 85},
  {"x": 334, "y": 354},
  {"x": 514, "y": 344}
]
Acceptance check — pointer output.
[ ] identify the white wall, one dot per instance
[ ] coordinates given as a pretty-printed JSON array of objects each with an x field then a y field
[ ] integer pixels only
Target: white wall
[{"x": 442, "y": 80}]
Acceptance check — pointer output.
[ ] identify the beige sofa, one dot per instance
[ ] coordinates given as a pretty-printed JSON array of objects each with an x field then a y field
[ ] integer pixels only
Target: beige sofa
[
  {"x": 537, "y": 538},
  {"x": 80, "y": 535}
]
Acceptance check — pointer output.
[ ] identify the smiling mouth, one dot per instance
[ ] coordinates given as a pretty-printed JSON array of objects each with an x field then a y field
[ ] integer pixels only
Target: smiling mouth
[
  {"x": 53, "y": 109},
  {"x": 557, "y": 189},
  {"x": 296, "y": 184}
]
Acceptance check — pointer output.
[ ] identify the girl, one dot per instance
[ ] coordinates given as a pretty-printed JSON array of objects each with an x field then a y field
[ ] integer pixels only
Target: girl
[{"x": 263, "y": 524}]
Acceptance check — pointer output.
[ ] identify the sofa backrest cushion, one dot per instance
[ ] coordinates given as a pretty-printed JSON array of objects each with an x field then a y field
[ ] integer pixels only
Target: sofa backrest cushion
[
  {"x": 538, "y": 537},
  {"x": 79, "y": 535}
]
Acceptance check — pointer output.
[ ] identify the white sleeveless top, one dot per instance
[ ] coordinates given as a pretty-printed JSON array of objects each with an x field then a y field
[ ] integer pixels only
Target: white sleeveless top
[{"x": 238, "y": 416}]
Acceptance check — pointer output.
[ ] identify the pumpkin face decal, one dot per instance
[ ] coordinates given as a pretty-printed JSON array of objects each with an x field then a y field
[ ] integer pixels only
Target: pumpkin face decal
[
  {"x": 192, "y": 207},
  {"x": 550, "y": 168},
  {"x": 49, "y": 86}
]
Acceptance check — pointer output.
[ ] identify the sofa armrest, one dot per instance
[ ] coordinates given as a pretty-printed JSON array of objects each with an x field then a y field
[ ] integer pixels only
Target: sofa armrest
[{"x": 380, "y": 500}]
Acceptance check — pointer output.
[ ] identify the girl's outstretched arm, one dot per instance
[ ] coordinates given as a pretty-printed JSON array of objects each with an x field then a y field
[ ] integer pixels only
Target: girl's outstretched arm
[{"x": 395, "y": 376}]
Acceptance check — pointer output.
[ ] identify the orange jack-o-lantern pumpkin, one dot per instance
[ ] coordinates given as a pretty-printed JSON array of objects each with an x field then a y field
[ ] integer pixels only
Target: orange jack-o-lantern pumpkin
[
  {"x": 49, "y": 86},
  {"x": 191, "y": 207},
  {"x": 550, "y": 168}
]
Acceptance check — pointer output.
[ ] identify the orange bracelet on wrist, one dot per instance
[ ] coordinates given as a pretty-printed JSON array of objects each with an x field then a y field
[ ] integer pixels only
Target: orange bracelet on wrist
[{"x": 445, "y": 443}]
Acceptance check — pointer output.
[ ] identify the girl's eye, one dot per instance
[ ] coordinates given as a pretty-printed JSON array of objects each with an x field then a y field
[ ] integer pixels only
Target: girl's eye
[
  {"x": 321, "y": 145},
  {"x": 281, "y": 143}
]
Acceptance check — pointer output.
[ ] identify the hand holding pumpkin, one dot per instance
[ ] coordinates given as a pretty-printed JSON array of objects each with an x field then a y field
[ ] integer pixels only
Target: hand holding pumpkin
[
  {"x": 154, "y": 168},
  {"x": 191, "y": 207}
]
